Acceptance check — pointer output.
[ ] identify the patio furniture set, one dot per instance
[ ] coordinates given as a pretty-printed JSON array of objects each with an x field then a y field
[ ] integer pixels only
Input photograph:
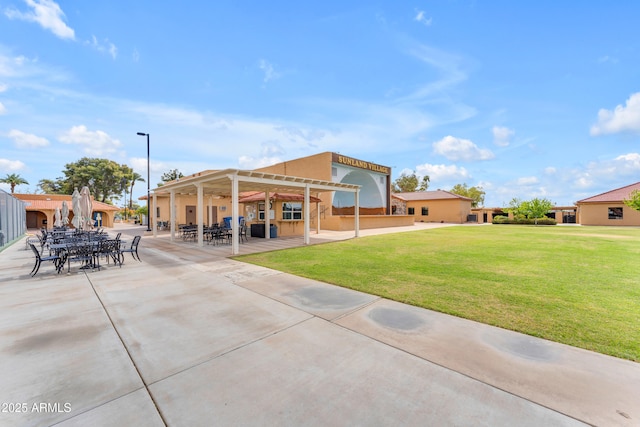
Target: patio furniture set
[
  {"x": 87, "y": 248},
  {"x": 215, "y": 234}
]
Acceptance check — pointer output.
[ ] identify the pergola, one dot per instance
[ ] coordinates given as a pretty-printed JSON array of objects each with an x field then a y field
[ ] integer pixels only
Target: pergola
[{"x": 232, "y": 182}]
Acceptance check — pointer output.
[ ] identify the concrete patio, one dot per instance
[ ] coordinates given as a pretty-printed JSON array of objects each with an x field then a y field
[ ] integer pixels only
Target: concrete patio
[{"x": 188, "y": 337}]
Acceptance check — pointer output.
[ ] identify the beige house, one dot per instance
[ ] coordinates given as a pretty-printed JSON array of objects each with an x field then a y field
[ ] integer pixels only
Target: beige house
[
  {"x": 41, "y": 209},
  {"x": 434, "y": 206},
  {"x": 609, "y": 208},
  {"x": 328, "y": 210}
]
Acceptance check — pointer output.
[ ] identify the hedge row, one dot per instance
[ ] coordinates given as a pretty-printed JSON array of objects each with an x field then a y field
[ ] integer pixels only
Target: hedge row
[{"x": 500, "y": 219}]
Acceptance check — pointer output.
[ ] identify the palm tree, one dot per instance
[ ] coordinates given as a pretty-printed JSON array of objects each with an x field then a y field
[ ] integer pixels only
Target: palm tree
[
  {"x": 13, "y": 180},
  {"x": 134, "y": 177}
]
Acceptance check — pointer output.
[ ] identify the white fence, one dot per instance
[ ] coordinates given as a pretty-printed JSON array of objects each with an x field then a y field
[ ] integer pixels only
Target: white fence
[{"x": 13, "y": 218}]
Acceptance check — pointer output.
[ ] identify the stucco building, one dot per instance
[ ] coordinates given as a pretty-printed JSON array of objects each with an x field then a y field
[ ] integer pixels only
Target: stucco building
[
  {"x": 328, "y": 210},
  {"x": 609, "y": 208},
  {"x": 41, "y": 209},
  {"x": 433, "y": 206}
]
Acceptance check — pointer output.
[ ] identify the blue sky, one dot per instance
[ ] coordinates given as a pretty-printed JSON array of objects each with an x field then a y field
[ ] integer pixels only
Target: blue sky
[{"x": 524, "y": 98}]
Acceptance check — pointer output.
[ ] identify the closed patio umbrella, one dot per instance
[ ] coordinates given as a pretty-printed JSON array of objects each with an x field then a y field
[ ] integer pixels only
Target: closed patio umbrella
[
  {"x": 57, "y": 218},
  {"x": 77, "y": 213},
  {"x": 65, "y": 213},
  {"x": 86, "y": 208}
]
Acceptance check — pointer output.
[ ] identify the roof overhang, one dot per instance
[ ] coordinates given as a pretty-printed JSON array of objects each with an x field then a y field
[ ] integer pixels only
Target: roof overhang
[{"x": 219, "y": 183}]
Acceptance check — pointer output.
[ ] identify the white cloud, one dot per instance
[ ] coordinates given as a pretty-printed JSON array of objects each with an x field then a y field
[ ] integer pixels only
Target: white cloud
[
  {"x": 447, "y": 64},
  {"x": 248, "y": 162},
  {"x": 27, "y": 140},
  {"x": 527, "y": 180},
  {"x": 3, "y": 88},
  {"x": 502, "y": 135},
  {"x": 442, "y": 173},
  {"x": 607, "y": 58},
  {"x": 47, "y": 13},
  {"x": 269, "y": 72},
  {"x": 422, "y": 18},
  {"x": 550, "y": 170},
  {"x": 460, "y": 149},
  {"x": 94, "y": 143},
  {"x": 270, "y": 154},
  {"x": 103, "y": 47},
  {"x": 11, "y": 165},
  {"x": 3, "y": 109},
  {"x": 622, "y": 119},
  {"x": 601, "y": 173},
  {"x": 135, "y": 55}
]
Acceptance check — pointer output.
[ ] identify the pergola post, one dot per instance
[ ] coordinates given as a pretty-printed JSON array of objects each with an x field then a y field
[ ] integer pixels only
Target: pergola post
[
  {"x": 357, "y": 212},
  {"x": 318, "y": 215},
  {"x": 267, "y": 216},
  {"x": 199, "y": 213},
  {"x": 307, "y": 215},
  {"x": 155, "y": 220},
  {"x": 172, "y": 214},
  {"x": 235, "y": 245}
]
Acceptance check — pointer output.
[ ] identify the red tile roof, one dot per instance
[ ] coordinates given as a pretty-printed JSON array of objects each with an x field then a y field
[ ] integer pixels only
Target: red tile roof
[
  {"x": 287, "y": 197},
  {"x": 430, "y": 195},
  {"x": 43, "y": 202},
  {"x": 617, "y": 195}
]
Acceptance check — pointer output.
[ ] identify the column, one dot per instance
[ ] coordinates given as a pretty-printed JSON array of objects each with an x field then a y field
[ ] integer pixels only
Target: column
[
  {"x": 172, "y": 214},
  {"x": 199, "y": 213}
]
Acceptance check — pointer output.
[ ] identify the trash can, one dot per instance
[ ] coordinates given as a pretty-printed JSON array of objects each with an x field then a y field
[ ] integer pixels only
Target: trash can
[
  {"x": 273, "y": 231},
  {"x": 227, "y": 221}
]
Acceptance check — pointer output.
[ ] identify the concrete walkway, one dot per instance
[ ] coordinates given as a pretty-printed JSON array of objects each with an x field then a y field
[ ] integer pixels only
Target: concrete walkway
[{"x": 189, "y": 337}]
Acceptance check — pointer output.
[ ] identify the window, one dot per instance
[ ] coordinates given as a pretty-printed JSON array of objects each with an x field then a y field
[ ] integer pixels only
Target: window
[
  {"x": 157, "y": 212},
  {"x": 260, "y": 211},
  {"x": 425, "y": 211},
  {"x": 292, "y": 210},
  {"x": 615, "y": 213},
  {"x": 411, "y": 211}
]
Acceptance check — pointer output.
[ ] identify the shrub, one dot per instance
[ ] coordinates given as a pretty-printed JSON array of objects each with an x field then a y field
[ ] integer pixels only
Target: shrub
[{"x": 501, "y": 219}]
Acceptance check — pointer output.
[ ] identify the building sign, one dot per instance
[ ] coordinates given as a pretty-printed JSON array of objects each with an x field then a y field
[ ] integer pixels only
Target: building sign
[{"x": 350, "y": 161}]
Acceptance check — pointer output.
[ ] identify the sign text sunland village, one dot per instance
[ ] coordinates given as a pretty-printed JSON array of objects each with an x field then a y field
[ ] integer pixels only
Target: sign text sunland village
[{"x": 348, "y": 161}]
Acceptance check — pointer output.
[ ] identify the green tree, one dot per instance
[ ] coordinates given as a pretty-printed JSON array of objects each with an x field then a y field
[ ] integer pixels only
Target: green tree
[
  {"x": 475, "y": 193},
  {"x": 538, "y": 208},
  {"x": 104, "y": 178},
  {"x": 634, "y": 200},
  {"x": 410, "y": 183},
  {"x": 532, "y": 209},
  {"x": 172, "y": 175},
  {"x": 13, "y": 179},
  {"x": 516, "y": 208},
  {"x": 135, "y": 177},
  {"x": 49, "y": 186}
]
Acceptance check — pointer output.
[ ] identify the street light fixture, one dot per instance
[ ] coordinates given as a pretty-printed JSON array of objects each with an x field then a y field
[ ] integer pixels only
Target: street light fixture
[{"x": 148, "y": 182}]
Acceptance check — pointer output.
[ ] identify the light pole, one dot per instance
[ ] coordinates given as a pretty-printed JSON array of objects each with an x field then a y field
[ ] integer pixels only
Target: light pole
[
  {"x": 148, "y": 182},
  {"x": 124, "y": 187}
]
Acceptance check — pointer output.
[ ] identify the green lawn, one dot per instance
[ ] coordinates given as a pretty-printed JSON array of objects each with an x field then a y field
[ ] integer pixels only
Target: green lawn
[{"x": 575, "y": 285}]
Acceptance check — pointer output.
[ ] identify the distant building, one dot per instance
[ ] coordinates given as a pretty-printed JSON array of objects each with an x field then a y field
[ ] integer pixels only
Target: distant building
[
  {"x": 329, "y": 210},
  {"x": 433, "y": 206},
  {"x": 41, "y": 209},
  {"x": 609, "y": 208}
]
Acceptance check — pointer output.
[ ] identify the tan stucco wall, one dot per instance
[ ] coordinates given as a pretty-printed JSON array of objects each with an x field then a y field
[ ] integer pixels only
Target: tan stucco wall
[
  {"x": 452, "y": 211},
  {"x": 222, "y": 209},
  {"x": 598, "y": 214},
  {"x": 347, "y": 222},
  {"x": 317, "y": 166}
]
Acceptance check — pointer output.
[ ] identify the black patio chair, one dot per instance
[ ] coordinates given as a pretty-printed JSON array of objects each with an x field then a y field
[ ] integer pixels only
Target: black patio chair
[
  {"x": 243, "y": 233},
  {"x": 57, "y": 260},
  {"x": 133, "y": 249},
  {"x": 109, "y": 249},
  {"x": 81, "y": 252}
]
